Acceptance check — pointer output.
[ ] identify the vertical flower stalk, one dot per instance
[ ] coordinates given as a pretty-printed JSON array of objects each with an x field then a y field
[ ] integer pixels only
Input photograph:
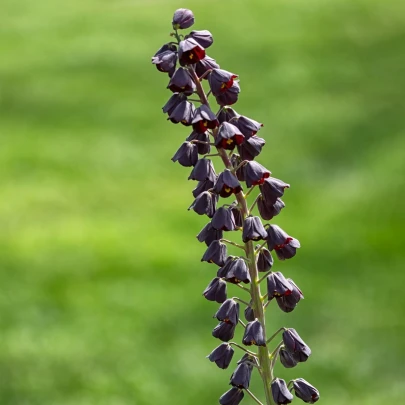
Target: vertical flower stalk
[{"x": 233, "y": 138}]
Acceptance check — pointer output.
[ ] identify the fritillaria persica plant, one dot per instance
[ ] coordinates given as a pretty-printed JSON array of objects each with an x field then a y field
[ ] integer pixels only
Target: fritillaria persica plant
[{"x": 235, "y": 141}]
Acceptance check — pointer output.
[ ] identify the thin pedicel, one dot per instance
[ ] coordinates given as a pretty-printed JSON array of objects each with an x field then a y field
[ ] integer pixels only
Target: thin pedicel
[{"x": 228, "y": 131}]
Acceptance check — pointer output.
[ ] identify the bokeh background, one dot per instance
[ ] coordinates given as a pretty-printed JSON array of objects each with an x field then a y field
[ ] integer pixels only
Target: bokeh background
[{"x": 101, "y": 280}]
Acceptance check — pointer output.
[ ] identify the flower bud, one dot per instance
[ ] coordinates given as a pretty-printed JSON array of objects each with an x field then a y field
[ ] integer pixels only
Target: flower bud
[
  {"x": 288, "y": 302},
  {"x": 278, "y": 286},
  {"x": 204, "y": 119},
  {"x": 305, "y": 391},
  {"x": 229, "y": 96},
  {"x": 234, "y": 271},
  {"x": 286, "y": 359},
  {"x": 227, "y": 114},
  {"x": 227, "y": 184},
  {"x": 203, "y": 37},
  {"x": 224, "y": 331},
  {"x": 205, "y": 203},
  {"x": 254, "y": 334},
  {"x": 223, "y": 219},
  {"x": 190, "y": 52},
  {"x": 228, "y": 312},
  {"x": 183, "y": 113},
  {"x": 264, "y": 260},
  {"x": 208, "y": 234},
  {"x": 222, "y": 355},
  {"x": 249, "y": 314},
  {"x": 253, "y": 229},
  {"x": 268, "y": 210},
  {"x": 247, "y": 126},
  {"x": 216, "y": 290},
  {"x": 295, "y": 345},
  {"x": 255, "y": 173},
  {"x": 220, "y": 80},
  {"x": 187, "y": 154},
  {"x": 202, "y": 186},
  {"x": 204, "y": 65},
  {"x": 216, "y": 253},
  {"x": 241, "y": 376},
  {"x": 251, "y": 148},
  {"x": 280, "y": 392},
  {"x": 228, "y": 136},
  {"x": 166, "y": 62},
  {"x": 272, "y": 189},
  {"x": 203, "y": 170},
  {"x": 203, "y": 148},
  {"x": 181, "y": 82},
  {"x": 173, "y": 102},
  {"x": 182, "y": 18},
  {"x": 232, "y": 397},
  {"x": 284, "y": 245}
]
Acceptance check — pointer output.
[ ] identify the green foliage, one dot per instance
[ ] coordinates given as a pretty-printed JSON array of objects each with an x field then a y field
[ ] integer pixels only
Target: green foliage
[{"x": 101, "y": 287}]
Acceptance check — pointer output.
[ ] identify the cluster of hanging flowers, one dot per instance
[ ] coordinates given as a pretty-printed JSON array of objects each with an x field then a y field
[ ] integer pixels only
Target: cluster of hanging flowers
[{"x": 234, "y": 139}]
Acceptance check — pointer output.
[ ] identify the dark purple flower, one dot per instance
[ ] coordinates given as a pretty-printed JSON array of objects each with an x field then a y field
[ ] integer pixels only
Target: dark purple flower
[
  {"x": 295, "y": 345},
  {"x": 288, "y": 302},
  {"x": 220, "y": 80},
  {"x": 216, "y": 290},
  {"x": 240, "y": 378},
  {"x": 190, "y": 52},
  {"x": 229, "y": 96},
  {"x": 203, "y": 37},
  {"x": 227, "y": 114},
  {"x": 236, "y": 161},
  {"x": 284, "y": 245},
  {"x": 222, "y": 355},
  {"x": 305, "y": 391},
  {"x": 237, "y": 215},
  {"x": 253, "y": 229},
  {"x": 254, "y": 334},
  {"x": 246, "y": 358},
  {"x": 235, "y": 271},
  {"x": 227, "y": 184},
  {"x": 272, "y": 189},
  {"x": 255, "y": 173},
  {"x": 216, "y": 253},
  {"x": 183, "y": 113},
  {"x": 187, "y": 154},
  {"x": 181, "y": 82},
  {"x": 205, "y": 203},
  {"x": 202, "y": 186},
  {"x": 268, "y": 211},
  {"x": 286, "y": 359},
  {"x": 204, "y": 119},
  {"x": 228, "y": 136},
  {"x": 249, "y": 314},
  {"x": 209, "y": 233},
  {"x": 204, "y": 65},
  {"x": 251, "y": 148},
  {"x": 232, "y": 397},
  {"x": 173, "y": 102},
  {"x": 203, "y": 170},
  {"x": 166, "y": 62},
  {"x": 182, "y": 18},
  {"x": 223, "y": 219},
  {"x": 203, "y": 148},
  {"x": 228, "y": 312},
  {"x": 264, "y": 260},
  {"x": 281, "y": 395},
  {"x": 278, "y": 286},
  {"x": 247, "y": 126},
  {"x": 224, "y": 331}
]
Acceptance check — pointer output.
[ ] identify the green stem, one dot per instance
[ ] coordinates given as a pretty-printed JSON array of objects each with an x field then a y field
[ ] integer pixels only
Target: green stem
[
  {"x": 251, "y": 394},
  {"x": 241, "y": 301},
  {"x": 242, "y": 348},
  {"x": 274, "y": 335},
  {"x": 232, "y": 243},
  {"x": 265, "y": 276}
]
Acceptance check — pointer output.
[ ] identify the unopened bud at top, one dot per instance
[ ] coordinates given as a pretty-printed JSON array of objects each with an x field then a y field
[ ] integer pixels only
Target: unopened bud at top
[{"x": 182, "y": 18}]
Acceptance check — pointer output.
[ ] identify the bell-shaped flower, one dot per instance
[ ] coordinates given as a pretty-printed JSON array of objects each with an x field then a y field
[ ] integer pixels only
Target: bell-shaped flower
[
  {"x": 236, "y": 161},
  {"x": 240, "y": 378},
  {"x": 278, "y": 286},
  {"x": 223, "y": 219},
  {"x": 247, "y": 126},
  {"x": 209, "y": 234},
  {"x": 166, "y": 62},
  {"x": 237, "y": 215},
  {"x": 217, "y": 253},
  {"x": 203, "y": 148},
  {"x": 203, "y": 37},
  {"x": 228, "y": 136},
  {"x": 264, "y": 260},
  {"x": 251, "y": 148},
  {"x": 173, "y": 102},
  {"x": 272, "y": 189},
  {"x": 227, "y": 184},
  {"x": 216, "y": 290},
  {"x": 287, "y": 303},
  {"x": 224, "y": 331},
  {"x": 204, "y": 65},
  {"x": 205, "y": 203},
  {"x": 220, "y": 80},
  {"x": 204, "y": 119},
  {"x": 305, "y": 391},
  {"x": 229, "y": 96},
  {"x": 202, "y": 186},
  {"x": 187, "y": 155},
  {"x": 190, "y": 52},
  {"x": 222, "y": 355},
  {"x": 295, "y": 345},
  {"x": 254, "y": 334},
  {"x": 286, "y": 359},
  {"x": 181, "y": 82},
  {"x": 285, "y": 246},
  {"x": 228, "y": 312},
  {"x": 228, "y": 114},
  {"x": 279, "y": 390},
  {"x": 235, "y": 271},
  {"x": 232, "y": 397},
  {"x": 255, "y": 173},
  {"x": 249, "y": 314},
  {"x": 183, "y": 113},
  {"x": 182, "y": 18},
  {"x": 203, "y": 170},
  {"x": 253, "y": 229},
  {"x": 269, "y": 210}
]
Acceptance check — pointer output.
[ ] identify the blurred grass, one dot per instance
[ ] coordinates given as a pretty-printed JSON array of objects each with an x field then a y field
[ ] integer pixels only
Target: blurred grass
[{"x": 100, "y": 273}]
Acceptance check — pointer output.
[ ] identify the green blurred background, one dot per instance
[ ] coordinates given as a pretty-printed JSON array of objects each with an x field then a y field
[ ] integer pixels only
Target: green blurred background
[{"x": 101, "y": 278}]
